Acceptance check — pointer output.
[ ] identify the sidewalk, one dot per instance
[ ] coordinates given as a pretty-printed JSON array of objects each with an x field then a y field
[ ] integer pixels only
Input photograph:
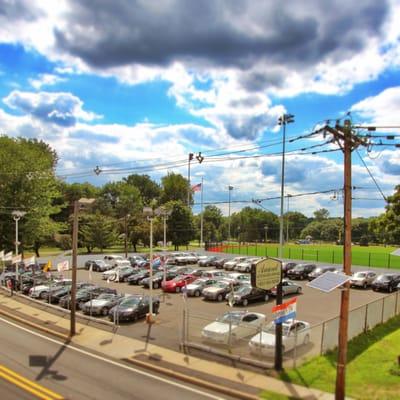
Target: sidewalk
[{"x": 142, "y": 353}]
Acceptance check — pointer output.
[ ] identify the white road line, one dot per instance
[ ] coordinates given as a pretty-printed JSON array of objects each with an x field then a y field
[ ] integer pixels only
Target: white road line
[{"x": 180, "y": 386}]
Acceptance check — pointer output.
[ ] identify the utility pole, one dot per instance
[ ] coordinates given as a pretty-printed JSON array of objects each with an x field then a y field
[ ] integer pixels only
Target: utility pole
[
  {"x": 347, "y": 141},
  {"x": 190, "y": 158},
  {"x": 72, "y": 330},
  {"x": 230, "y": 188}
]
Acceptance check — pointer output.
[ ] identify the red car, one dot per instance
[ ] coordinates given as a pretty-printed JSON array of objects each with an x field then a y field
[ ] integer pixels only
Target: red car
[{"x": 176, "y": 284}]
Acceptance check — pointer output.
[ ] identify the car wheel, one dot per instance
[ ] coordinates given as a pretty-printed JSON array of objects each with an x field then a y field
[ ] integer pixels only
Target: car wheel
[
  {"x": 266, "y": 297},
  {"x": 104, "y": 311},
  {"x": 298, "y": 291},
  {"x": 197, "y": 293},
  {"x": 306, "y": 340},
  {"x": 177, "y": 289},
  {"x": 245, "y": 302},
  {"x": 43, "y": 295},
  {"x": 156, "y": 286},
  {"x": 220, "y": 297}
]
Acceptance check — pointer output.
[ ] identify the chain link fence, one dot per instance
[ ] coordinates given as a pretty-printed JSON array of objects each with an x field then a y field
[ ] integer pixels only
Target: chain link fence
[{"x": 233, "y": 341}]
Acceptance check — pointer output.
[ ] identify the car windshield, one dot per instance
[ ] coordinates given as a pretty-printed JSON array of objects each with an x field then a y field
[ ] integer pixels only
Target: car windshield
[
  {"x": 384, "y": 278},
  {"x": 131, "y": 301},
  {"x": 243, "y": 290},
  {"x": 298, "y": 267},
  {"x": 360, "y": 275},
  {"x": 222, "y": 284},
  {"x": 233, "y": 317}
]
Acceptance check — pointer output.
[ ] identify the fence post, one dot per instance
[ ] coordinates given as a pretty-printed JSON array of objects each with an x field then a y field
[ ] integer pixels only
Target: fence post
[
  {"x": 302, "y": 254},
  {"x": 333, "y": 256},
  {"x": 247, "y": 249},
  {"x": 366, "y": 319},
  {"x": 289, "y": 252},
  {"x": 322, "y": 339},
  {"x": 383, "y": 309},
  {"x": 389, "y": 261},
  {"x": 317, "y": 255}
]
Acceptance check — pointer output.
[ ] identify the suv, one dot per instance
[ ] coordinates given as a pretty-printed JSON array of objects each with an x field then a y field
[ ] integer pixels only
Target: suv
[
  {"x": 301, "y": 271},
  {"x": 362, "y": 279},
  {"x": 319, "y": 271}
]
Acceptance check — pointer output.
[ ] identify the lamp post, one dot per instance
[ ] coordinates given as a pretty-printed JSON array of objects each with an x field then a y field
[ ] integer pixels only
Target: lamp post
[
  {"x": 164, "y": 213},
  {"x": 17, "y": 215},
  {"x": 126, "y": 235},
  {"x": 283, "y": 121},
  {"x": 190, "y": 158},
  {"x": 78, "y": 204},
  {"x": 287, "y": 218},
  {"x": 230, "y": 188},
  {"x": 266, "y": 233}
]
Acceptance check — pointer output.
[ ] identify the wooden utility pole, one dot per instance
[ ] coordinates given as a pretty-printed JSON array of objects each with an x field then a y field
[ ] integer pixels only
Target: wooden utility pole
[{"x": 344, "y": 137}]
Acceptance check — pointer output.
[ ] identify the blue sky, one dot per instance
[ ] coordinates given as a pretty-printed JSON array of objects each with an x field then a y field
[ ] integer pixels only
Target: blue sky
[{"x": 138, "y": 86}]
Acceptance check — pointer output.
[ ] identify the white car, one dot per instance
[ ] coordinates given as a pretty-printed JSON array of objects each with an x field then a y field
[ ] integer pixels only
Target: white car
[
  {"x": 242, "y": 279},
  {"x": 231, "y": 264},
  {"x": 363, "y": 279},
  {"x": 245, "y": 266},
  {"x": 113, "y": 273},
  {"x": 294, "y": 333},
  {"x": 41, "y": 291},
  {"x": 232, "y": 326}
]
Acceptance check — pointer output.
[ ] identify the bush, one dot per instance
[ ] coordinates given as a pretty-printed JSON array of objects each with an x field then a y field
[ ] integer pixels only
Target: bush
[{"x": 64, "y": 242}]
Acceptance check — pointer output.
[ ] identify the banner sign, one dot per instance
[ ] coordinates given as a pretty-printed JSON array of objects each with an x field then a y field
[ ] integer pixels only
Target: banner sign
[
  {"x": 63, "y": 266},
  {"x": 30, "y": 260},
  {"x": 266, "y": 274},
  {"x": 285, "y": 311},
  {"x": 16, "y": 259},
  {"x": 8, "y": 256}
]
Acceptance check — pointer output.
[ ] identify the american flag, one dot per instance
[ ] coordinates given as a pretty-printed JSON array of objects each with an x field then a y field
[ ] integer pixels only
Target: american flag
[{"x": 196, "y": 188}]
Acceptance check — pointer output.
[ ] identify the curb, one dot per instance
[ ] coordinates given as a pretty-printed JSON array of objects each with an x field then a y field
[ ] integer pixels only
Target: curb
[
  {"x": 195, "y": 381},
  {"x": 35, "y": 326}
]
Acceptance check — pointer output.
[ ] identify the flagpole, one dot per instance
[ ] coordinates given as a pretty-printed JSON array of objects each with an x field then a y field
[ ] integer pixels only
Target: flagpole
[{"x": 201, "y": 215}]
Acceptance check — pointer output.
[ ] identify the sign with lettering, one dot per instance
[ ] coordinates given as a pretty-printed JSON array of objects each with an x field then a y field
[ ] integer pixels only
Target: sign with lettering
[{"x": 266, "y": 274}]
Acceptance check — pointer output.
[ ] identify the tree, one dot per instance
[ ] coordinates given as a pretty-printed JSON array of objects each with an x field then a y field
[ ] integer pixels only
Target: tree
[
  {"x": 180, "y": 224},
  {"x": 174, "y": 188},
  {"x": 148, "y": 189},
  {"x": 28, "y": 183},
  {"x": 213, "y": 215},
  {"x": 321, "y": 214},
  {"x": 98, "y": 231},
  {"x": 297, "y": 222}
]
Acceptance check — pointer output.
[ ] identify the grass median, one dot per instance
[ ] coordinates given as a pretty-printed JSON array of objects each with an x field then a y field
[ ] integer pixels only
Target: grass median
[{"x": 372, "y": 370}]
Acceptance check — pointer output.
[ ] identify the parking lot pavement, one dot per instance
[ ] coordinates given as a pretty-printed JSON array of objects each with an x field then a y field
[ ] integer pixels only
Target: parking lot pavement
[{"x": 313, "y": 306}]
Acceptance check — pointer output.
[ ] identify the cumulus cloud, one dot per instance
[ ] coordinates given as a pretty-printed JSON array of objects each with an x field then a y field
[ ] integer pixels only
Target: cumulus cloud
[
  {"x": 45, "y": 80},
  {"x": 63, "y": 109}
]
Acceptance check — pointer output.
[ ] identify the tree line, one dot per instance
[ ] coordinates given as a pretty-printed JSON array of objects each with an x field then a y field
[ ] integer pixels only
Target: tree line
[{"x": 28, "y": 182}]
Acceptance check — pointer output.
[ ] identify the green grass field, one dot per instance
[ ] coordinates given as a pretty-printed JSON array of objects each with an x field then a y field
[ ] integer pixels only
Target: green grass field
[
  {"x": 372, "y": 371},
  {"x": 371, "y": 256}
]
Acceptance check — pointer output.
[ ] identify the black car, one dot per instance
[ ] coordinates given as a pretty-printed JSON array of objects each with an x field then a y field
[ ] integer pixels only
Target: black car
[
  {"x": 208, "y": 261},
  {"x": 319, "y": 271},
  {"x": 247, "y": 294},
  {"x": 85, "y": 294},
  {"x": 287, "y": 266},
  {"x": 136, "y": 278},
  {"x": 386, "y": 282},
  {"x": 158, "y": 277},
  {"x": 124, "y": 273},
  {"x": 133, "y": 308},
  {"x": 219, "y": 263},
  {"x": 56, "y": 295},
  {"x": 301, "y": 271}
]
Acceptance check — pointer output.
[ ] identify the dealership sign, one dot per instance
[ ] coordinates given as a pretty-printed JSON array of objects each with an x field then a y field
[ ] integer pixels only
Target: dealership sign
[
  {"x": 285, "y": 311},
  {"x": 266, "y": 274}
]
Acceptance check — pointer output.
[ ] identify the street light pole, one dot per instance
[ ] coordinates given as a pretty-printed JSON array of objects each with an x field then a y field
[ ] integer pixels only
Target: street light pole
[
  {"x": 190, "y": 158},
  {"x": 283, "y": 121},
  {"x": 17, "y": 215},
  {"x": 201, "y": 214},
  {"x": 126, "y": 235},
  {"x": 77, "y": 205},
  {"x": 230, "y": 188},
  {"x": 287, "y": 218}
]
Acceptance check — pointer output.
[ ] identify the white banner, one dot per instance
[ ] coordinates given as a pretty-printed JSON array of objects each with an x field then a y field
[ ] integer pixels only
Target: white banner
[
  {"x": 30, "y": 260},
  {"x": 63, "y": 266},
  {"x": 2, "y": 255},
  {"x": 16, "y": 259},
  {"x": 8, "y": 256}
]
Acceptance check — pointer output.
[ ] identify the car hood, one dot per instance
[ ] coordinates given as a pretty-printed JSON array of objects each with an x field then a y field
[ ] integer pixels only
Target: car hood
[
  {"x": 41, "y": 287},
  {"x": 219, "y": 327},
  {"x": 266, "y": 339},
  {"x": 96, "y": 303},
  {"x": 213, "y": 290},
  {"x": 192, "y": 286}
]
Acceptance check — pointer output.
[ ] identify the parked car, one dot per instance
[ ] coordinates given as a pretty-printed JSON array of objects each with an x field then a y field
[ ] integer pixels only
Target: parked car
[
  {"x": 97, "y": 265},
  {"x": 288, "y": 287},
  {"x": 171, "y": 259},
  {"x": 196, "y": 287},
  {"x": 207, "y": 261},
  {"x": 41, "y": 291},
  {"x": 124, "y": 273},
  {"x": 287, "y": 266},
  {"x": 85, "y": 294},
  {"x": 177, "y": 284},
  {"x": 321, "y": 269},
  {"x": 56, "y": 295},
  {"x": 219, "y": 290},
  {"x": 135, "y": 279},
  {"x": 111, "y": 258},
  {"x": 386, "y": 282},
  {"x": 245, "y": 266},
  {"x": 230, "y": 265},
  {"x": 301, "y": 271},
  {"x": 362, "y": 279},
  {"x": 244, "y": 295},
  {"x": 112, "y": 274},
  {"x": 102, "y": 304},
  {"x": 294, "y": 333},
  {"x": 158, "y": 278},
  {"x": 216, "y": 274},
  {"x": 220, "y": 262},
  {"x": 232, "y": 326},
  {"x": 137, "y": 261},
  {"x": 132, "y": 308},
  {"x": 239, "y": 278}
]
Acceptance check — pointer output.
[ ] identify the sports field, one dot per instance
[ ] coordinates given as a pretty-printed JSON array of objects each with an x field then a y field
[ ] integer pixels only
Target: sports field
[{"x": 370, "y": 256}]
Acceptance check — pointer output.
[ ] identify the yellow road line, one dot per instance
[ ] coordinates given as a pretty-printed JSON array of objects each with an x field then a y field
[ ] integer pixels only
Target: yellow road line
[{"x": 28, "y": 385}]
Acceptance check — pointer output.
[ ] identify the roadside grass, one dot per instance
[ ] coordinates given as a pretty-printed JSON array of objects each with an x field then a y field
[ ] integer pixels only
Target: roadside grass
[
  {"x": 267, "y": 395},
  {"x": 44, "y": 252},
  {"x": 372, "y": 371},
  {"x": 371, "y": 256}
]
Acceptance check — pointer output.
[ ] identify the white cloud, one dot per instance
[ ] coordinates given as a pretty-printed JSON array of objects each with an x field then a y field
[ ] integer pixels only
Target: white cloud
[{"x": 45, "y": 80}]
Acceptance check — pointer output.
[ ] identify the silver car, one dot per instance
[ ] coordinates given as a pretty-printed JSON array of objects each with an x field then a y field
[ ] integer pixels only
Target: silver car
[
  {"x": 102, "y": 304},
  {"x": 362, "y": 279},
  {"x": 288, "y": 287},
  {"x": 196, "y": 288}
]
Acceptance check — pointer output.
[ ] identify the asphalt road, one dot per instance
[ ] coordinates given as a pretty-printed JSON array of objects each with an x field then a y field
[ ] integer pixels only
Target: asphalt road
[{"x": 76, "y": 375}]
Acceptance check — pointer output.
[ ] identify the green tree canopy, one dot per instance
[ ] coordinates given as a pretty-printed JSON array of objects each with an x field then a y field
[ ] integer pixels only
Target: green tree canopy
[
  {"x": 148, "y": 189},
  {"x": 180, "y": 224},
  {"x": 174, "y": 188}
]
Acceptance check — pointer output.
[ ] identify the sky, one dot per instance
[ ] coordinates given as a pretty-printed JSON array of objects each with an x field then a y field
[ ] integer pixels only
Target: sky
[{"x": 135, "y": 86}]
